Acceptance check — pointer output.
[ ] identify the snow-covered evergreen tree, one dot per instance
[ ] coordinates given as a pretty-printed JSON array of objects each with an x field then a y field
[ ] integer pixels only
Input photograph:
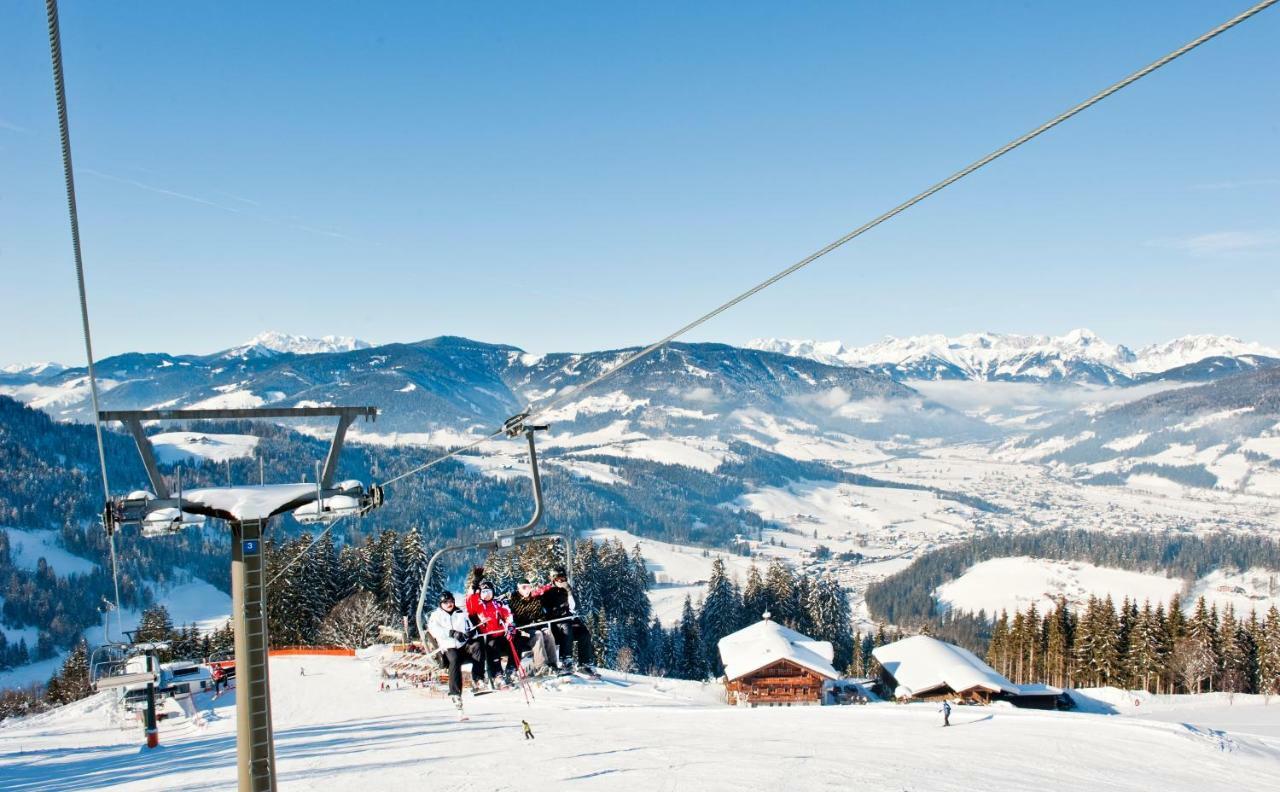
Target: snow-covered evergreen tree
[
  {"x": 692, "y": 661},
  {"x": 721, "y": 614},
  {"x": 755, "y": 601},
  {"x": 830, "y": 617},
  {"x": 780, "y": 593},
  {"x": 71, "y": 683},
  {"x": 998, "y": 648},
  {"x": 1234, "y": 673},
  {"x": 1269, "y": 654}
]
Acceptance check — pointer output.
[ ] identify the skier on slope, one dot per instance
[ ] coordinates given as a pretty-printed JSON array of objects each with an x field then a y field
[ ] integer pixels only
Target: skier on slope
[
  {"x": 527, "y": 608},
  {"x": 449, "y": 627},
  {"x": 946, "y": 713},
  {"x": 492, "y": 621},
  {"x": 558, "y": 603}
]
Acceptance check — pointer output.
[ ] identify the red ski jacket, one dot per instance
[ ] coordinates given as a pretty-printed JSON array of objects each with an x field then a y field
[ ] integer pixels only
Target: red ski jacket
[{"x": 488, "y": 616}]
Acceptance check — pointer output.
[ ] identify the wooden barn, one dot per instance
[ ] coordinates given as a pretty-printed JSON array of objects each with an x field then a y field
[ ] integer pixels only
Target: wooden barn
[
  {"x": 921, "y": 667},
  {"x": 768, "y": 664}
]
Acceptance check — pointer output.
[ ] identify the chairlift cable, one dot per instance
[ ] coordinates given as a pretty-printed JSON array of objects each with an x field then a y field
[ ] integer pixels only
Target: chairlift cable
[
  {"x": 905, "y": 205},
  {"x": 305, "y": 550},
  {"x": 576, "y": 392},
  {"x": 443, "y": 457},
  {"x": 55, "y": 52}
]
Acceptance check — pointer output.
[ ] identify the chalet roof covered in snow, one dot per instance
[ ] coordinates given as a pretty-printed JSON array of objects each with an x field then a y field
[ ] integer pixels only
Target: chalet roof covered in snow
[
  {"x": 923, "y": 664},
  {"x": 765, "y": 642}
]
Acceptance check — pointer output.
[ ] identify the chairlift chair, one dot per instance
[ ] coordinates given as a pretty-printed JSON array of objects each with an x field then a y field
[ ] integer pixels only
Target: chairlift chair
[{"x": 502, "y": 539}]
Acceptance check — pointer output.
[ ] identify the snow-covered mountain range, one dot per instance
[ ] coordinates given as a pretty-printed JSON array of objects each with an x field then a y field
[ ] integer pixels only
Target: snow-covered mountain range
[
  {"x": 689, "y": 403},
  {"x": 1080, "y": 357},
  {"x": 274, "y": 343}
]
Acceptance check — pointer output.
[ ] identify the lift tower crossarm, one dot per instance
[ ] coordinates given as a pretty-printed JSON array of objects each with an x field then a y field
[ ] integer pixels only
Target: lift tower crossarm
[{"x": 132, "y": 419}]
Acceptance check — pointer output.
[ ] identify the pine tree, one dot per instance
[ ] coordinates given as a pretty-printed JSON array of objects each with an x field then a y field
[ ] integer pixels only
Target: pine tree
[
  {"x": 71, "y": 683},
  {"x": 1197, "y": 652},
  {"x": 755, "y": 601},
  {"x": 414, "y": 559},
  {"x": 330, "y": 574},
  {"x": 1017, "y": 647},
  {"x": 828, "y": 609},
  {"x": 1083, "y": 673},
  {"x": 1105, "y": 659},
  {"x": 1143, "y": 661},
  {"x": 1233, "y": 670},
  {"x": 998, "y": 648},
  {"x": 1163, "y": 639},
  {"x": 780, "y": 593},
  {"x": 155, "y": 625},
  {"x": 721, "y": 614},
  {"x": 692, "y": 661},
  {"x": 802, "y": 617},
  {"x": 1269, "y": 654},
  {"x": 1058, "y": 644},
  {"x": 658, "y": 650},
  {"x": 857, "y": 668}
]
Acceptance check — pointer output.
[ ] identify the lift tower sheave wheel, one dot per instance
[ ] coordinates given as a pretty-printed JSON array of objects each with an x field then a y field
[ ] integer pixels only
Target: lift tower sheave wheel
[{"x": 247, "y": 511}]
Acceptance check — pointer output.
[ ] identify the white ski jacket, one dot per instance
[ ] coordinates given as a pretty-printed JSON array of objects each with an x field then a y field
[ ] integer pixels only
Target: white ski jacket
[{"x": 441, "y": 622}]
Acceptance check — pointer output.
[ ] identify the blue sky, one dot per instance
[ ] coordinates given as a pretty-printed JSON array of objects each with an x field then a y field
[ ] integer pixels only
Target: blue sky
[{"x": 572, "y": 176}]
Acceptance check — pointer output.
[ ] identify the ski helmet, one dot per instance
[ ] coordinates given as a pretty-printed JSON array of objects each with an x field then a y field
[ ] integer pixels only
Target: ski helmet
[
  {"x": 447, "y": 597},
  {"x": 558, "y": 573}
]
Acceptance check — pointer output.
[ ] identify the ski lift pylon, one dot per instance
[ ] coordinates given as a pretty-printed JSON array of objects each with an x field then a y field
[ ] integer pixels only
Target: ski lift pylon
[{"x": 503, "y": 539}]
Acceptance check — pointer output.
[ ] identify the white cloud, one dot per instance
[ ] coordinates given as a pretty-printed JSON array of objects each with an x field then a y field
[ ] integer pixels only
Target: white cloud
[
  {"x": 1221, "y": 242},
  {"x": 1236, "y": 184}
]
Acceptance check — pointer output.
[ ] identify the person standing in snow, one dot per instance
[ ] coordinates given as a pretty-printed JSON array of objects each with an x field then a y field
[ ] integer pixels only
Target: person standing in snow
[
  {"x": 492, "y": 621},
  {"x": 946, "y": 713},
  {"x": 528, "y": 732},
  {"x": 526, "y": 609},
  {"x": 558, "y": 603},
  {"x": 449, "y": 627}
]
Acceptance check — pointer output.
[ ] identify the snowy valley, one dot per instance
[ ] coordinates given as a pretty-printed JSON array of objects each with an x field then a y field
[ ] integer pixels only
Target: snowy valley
[{"x": 844, "y": 465}]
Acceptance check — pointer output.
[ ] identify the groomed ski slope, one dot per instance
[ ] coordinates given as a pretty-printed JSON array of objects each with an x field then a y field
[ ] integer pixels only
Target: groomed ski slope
[{"x": 336, "y": 731}]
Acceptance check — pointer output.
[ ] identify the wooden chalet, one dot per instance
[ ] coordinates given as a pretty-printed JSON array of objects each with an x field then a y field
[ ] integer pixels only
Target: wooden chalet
[
  {"x": 922, "y": 667},
  {"x": 769, "y": 664}
]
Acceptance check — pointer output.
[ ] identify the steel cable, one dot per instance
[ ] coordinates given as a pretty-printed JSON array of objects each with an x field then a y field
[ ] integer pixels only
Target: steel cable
[
  {"x": 55, "y": 52},
  {"x": 576, "y": 391}
]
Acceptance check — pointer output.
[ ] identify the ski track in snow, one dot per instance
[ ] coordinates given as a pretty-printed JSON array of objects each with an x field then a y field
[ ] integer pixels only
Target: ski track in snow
[{"x": 335, "y": 730}]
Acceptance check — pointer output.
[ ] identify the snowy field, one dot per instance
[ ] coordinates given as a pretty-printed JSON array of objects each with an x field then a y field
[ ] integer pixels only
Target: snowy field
[
  {"x": 26, "y": 548},
  {"x": 1012, "y": 584},
  {"x": 174, "y": 447},
  {"x": 336, "y": 731}
]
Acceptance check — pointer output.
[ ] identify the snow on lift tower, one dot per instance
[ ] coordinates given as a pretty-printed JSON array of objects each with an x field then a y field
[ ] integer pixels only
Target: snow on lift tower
[
  {"x": 246, "y": 509},
  {"x": 503, "y": 539}
]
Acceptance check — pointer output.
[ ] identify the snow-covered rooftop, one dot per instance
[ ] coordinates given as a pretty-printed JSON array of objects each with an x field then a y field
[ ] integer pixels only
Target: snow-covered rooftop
[
  {"x": 765, "y": 642},
  {"x": 250, "y": 502},
  {"x": 922, "y": 664}
]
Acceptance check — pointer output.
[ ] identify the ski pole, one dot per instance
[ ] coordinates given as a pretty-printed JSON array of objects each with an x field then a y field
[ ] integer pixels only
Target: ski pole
[{"x": 524, "y": 679}]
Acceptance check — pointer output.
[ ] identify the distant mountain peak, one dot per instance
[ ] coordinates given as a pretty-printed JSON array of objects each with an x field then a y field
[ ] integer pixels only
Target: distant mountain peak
[
  {"x": 1080, "y": 355},
  {"x": 36, "y": 369},
  {"x": 274, "y": 342}
]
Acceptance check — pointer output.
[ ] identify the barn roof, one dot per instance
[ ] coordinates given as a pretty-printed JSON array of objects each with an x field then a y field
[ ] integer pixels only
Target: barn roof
[
  {"x": 766, "y": 642},
  {"x": 922, "y": 664}
]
